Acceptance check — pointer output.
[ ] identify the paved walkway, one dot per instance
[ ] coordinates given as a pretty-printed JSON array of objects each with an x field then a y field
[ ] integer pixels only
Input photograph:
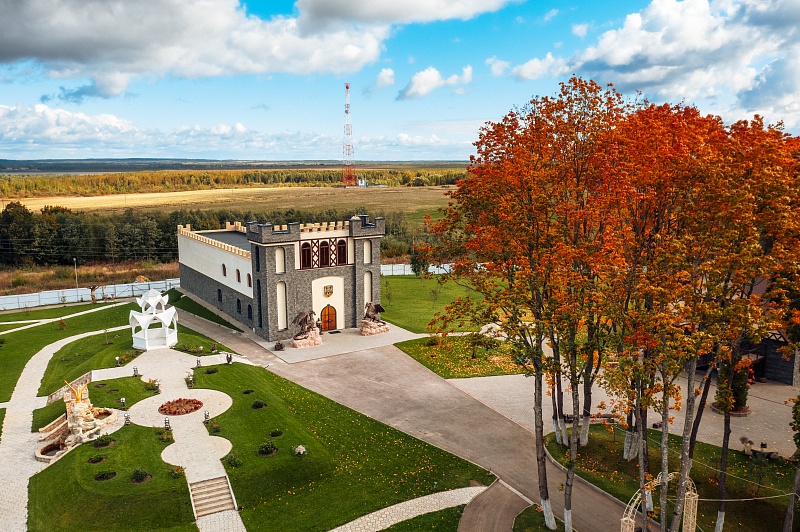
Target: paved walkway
[
  {"x": 403, "y": 511},
  {"x": 18, "y": 443}
]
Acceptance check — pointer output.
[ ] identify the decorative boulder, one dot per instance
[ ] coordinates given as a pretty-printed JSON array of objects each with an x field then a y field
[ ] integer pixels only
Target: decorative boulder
[{"x": 370, "y": 328}]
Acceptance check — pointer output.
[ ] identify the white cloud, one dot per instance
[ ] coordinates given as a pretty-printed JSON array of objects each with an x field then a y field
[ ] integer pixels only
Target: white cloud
[
  {"x": 579, "y": 30},
  {"x": 497, "y": 66},
  {"x": 550, "y": 15},
  {"x": 538, "y": 68},
  {"x": 111, "y": 41},
  {"x": 320, "y": 13},
  {"x": 731, "y": 57},
  {"x": 385, "y": 78},
  {"x": 426, "y": 81}
]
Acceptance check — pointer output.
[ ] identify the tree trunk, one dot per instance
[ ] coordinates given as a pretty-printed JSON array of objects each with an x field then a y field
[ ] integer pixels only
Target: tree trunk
[
  {"x": 643, "y": 439},
  {"x": 686, "y": 461},
  {"x": 664, "y": 460},
  {"x": 541, "y": 463},
  {"x": 630, "y": 448},
  {"x": 588, "y": 381},
  {"x": 646, "y": 500},
  {"x": 723, "y": 473},
  {"x": 556, "y": 428},
  {"x": 700, "y": 409},
  {"x": 562, "y": 425},
  {"x": 788, "y": 521},
  {"x": 573, "y": 456}
]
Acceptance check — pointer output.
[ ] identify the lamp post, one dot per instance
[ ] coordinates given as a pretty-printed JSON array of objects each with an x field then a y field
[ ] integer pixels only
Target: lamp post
[{"x": 75, "y": 264}]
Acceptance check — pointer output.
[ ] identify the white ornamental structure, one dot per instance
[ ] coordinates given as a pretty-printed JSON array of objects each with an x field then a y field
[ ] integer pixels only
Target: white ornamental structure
[{"x": 156, "y": 326}]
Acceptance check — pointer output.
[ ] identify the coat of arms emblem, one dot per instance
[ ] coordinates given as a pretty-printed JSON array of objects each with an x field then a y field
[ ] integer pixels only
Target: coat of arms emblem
[{"x": 328, "y": 290}]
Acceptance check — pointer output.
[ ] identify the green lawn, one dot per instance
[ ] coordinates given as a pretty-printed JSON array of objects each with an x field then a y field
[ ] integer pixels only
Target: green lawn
[
  {"x": 20, "y": 346},
  {"x": 531, "y": 519},
  {"x": 65, "y": 496},
  {"x": 454, "y": 358},
  {"x": 47, "y": 313},
  {"x": 601, "y": 463},
  {"x": 190, "y": 305},
  {"x": 444, "y": 520},
  {"x": 47, "y": 414},
  {"x": 355, "y": 465},
  {"x": 106, "y": 394},
  {"x": 9, "y": 326},
  {"x": 411, "y": 301},
  {"x": 100, "y": 351},
  {"x": 2, "y": 418}
]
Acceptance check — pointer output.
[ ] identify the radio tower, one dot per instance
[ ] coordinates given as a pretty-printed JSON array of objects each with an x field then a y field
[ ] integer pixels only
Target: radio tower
[{"x": 348, "y": 172}]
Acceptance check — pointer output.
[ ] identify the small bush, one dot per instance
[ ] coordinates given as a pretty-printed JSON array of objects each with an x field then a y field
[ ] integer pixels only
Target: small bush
[
  {"x": 104, "y": 441},
  {"x": 151, "y": 385},
  {"x": 275, "y": 433},
  {"x": 139, "y": 475},
  {"x": 233, "y": 459},
  {"x": 215, "y": 427},
  {"x": 165, "y": 435},
  {"x": 105, "y": 475},
  {"x": 97, "y": 458},
  {"x": 19, "y": 279},
  {"x": 258, "y": 404},
  {"x": 247, "y": 392},
  {"x": 267, "y": 448},
  {"x": 211, "y": 371},
  {"x": 177, "y": 472}
]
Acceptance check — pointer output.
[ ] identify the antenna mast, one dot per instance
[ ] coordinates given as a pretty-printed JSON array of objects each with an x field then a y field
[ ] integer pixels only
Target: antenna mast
[{"x": 348, "y": 171}]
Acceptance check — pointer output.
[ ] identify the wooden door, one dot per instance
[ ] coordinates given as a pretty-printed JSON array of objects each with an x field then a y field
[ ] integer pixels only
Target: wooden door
[{"x": 328, "y": 318}]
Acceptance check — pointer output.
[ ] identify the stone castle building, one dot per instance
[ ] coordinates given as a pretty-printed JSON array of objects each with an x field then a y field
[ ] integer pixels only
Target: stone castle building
[{"x": 265, "y": 275}]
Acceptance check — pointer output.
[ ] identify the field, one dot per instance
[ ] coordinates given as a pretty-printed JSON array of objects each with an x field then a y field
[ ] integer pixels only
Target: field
[{"x": 414, "y": 201}]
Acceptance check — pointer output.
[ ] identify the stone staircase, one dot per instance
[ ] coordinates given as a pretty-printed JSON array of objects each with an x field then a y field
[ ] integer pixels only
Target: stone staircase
[{"x": 211, "y": 496}]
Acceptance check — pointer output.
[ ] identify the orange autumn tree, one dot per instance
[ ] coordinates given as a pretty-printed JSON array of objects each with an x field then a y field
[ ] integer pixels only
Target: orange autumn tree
[{"x": 527, "y": 229}]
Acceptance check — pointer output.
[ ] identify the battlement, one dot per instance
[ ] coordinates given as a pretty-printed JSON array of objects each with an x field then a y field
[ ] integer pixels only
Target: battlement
[
  {"x": 187, "y": 232},
  {"x": 358, "y": 226}
]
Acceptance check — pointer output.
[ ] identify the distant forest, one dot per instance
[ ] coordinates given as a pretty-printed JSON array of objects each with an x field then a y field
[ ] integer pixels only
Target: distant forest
[
  {"x": 20, "y": 185},
  {"x": 58, "y": 235}
]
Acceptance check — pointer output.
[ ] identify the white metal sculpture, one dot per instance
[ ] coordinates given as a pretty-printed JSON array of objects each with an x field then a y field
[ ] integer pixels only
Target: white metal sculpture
[
  {"x": 156, "y": 326},
  {"x": 628, "y": 521}
]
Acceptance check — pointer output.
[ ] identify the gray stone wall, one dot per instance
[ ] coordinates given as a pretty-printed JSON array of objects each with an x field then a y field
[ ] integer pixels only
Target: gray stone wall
[{"x": 206, "y": 288}]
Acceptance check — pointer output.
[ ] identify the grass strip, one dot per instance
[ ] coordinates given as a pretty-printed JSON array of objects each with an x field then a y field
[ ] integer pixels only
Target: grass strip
[
  {"x": 531, "y": 519},
  {"x": 456, "y": 358},
  {"x": 188, "y": 304},
  {"x": 47, "y": 313},
  {"x": 65, "y": 496},
  {"x": 354, "y": 465},
  {"x": 601, "y": 464},
  {"x": 20, "y": 346}
]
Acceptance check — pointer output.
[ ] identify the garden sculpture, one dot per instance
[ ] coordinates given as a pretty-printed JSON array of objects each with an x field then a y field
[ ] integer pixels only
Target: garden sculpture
[
  {"x": 304, "y": 320},
  {"x": 373, "y": 312}
]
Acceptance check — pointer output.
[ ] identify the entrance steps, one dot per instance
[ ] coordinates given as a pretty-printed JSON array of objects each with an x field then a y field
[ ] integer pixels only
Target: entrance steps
[{"x": 211, "y": 496}]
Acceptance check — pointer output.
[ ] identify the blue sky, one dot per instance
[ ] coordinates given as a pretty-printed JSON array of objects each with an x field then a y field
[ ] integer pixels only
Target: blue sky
[{"x": 225, "y": 79}]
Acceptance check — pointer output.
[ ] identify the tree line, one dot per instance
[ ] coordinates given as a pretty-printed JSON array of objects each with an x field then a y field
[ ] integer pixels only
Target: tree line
[
  {"x": 57, "y": 236},
  {"x": 21, "y": 186},
  {"x": 618, "y": 243}
]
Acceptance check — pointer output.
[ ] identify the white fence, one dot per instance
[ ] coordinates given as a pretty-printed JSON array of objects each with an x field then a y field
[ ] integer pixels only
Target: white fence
[
  {"x": 405, "y": 269},
  {"x": 73, "y": 295}
]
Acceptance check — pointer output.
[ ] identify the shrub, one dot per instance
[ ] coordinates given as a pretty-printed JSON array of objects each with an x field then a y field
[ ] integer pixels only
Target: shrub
[
  {"x": 105, "y": 475},
  {"x": 215, "y": 427},
  {"x": 275, "y": 433},
  {"x": 177, "y": 472},
  {"x": 233, "y": 459},
  {"x": 247, "y": 392},
  {"x": 151, "y": 385},
  {"x": 104, "y": 441},
  {"x": 97, "y": 458},
  {"x": 258, "y": 404},
  {"x": 267, "y": 448},
  {"x": 139, "y": 475},
  {"x": 165, "y": 435},
  {"x": 211, "y": 371}
]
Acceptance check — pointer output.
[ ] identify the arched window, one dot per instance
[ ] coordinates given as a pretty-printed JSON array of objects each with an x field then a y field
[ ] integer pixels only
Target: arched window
[
  {"x": 257, "y": 258},
  {"x": 238, "y": 276},
  {"x": 341, "y": 252},
  {"x": 219, "y": 295},
  {"x": 224, "y": 271},
  {"x": 367, "y": 251},
  {"x": 238, "y": 306},
  {"x": 283, "y": 319},
  {"x": 249, "y": 312},
  {"x": 305, "y": 256},
  {"x": 249, "y": 281},
  {"x": 280, "y": 260},
  {"x": 324, "y": 254}
]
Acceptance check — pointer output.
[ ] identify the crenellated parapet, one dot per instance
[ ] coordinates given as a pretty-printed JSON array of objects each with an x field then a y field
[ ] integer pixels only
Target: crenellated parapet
[
  {"x": 187, "y": 232},
  {"x": 361, "y": 226}
]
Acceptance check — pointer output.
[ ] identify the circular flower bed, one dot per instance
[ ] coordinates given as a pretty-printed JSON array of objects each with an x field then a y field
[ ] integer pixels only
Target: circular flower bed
[{"x": 179, "y": 407}]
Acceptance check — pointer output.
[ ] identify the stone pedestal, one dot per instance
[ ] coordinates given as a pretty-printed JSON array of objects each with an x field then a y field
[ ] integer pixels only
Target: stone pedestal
[
  {"x": 311, "y": 340},
  {"x": 370, "y": 328}
]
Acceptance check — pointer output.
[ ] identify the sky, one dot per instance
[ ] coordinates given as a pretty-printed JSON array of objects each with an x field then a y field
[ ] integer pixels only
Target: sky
[{"x": 265, "y": 80}]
